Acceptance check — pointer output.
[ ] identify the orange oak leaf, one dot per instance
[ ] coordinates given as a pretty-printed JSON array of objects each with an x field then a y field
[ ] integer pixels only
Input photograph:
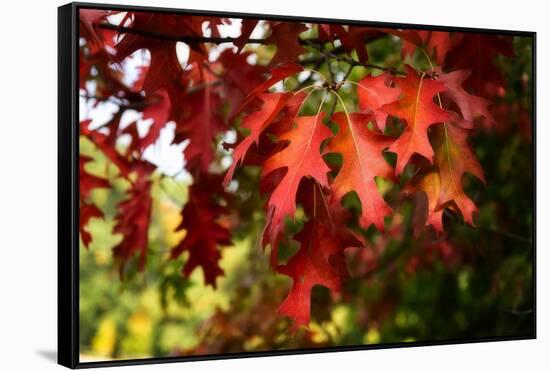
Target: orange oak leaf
[
  {"x": 454, "y": 158},
  {"x": 361, "y": 151},
  {"x": 443, "y": 184},
  {"x": 430, "y": 185},
  {"x": 417, "y": 108}
]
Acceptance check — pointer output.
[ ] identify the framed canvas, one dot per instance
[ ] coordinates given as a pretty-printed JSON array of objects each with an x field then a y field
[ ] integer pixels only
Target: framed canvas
[{"x": 238, "y": 185}]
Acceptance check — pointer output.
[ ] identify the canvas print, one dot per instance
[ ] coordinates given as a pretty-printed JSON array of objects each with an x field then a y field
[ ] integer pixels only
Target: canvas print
[{"x": 261, "y": 185}]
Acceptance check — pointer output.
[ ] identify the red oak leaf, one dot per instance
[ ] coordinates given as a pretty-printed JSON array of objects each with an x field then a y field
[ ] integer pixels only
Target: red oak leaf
[
  {"x": 440, "y": 43},
  {"x": 476, "y": 52},
  {"x": 361, "y": 151},
  {"x": 110, "y": 82},
  {"x": 213, "y": 24},
  {"x": 471, "y": 106},
  {"x": 239, "y": 73},
  {"x": 257, "y": 122},
  {"x": 202, "y": 216},
  {"x": 301, "y": 158},
  {"x": 373, "y": 93},
  {"x": 89, "y": 19},
  {"x": 410, "y": 36},
  {"x": 435, "y": 43},
  {"x": 247, "y": 26},
  {"x": 134, "y": 214},
  {"x": 87, "y": 182},
  {"x": 320, "y": 259},
  {"x": 330, "y": 32},
  {"x": 240, "y": 78},
  {"x": 417, "y": 108},
  {"x": 159, "y": 110},
  {"x": 309, "y": 267},
  {"x": 106, "y": 143},
  {"x": 284, "y": 35},
  {"x": 201, "y": 126},
  {"x": 277, "y": 74},
  {"x": 164, "y": 70},
  {"x": 134, "y": 146},
  {"x": 87, "y": 211},
  {"x": 355, "y": 38},
  {"x": 316, "y": 202},
  {"x": 265, "y": 148}
]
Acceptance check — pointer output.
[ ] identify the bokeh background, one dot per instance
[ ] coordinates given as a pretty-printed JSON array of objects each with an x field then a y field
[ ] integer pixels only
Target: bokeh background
[{"x": 404, "y": 287}]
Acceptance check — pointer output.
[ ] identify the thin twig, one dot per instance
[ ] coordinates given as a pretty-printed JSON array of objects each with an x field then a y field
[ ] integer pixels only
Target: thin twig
[
  {"x": 352, "y": 62},
  {"x": 506, "y": 234}
]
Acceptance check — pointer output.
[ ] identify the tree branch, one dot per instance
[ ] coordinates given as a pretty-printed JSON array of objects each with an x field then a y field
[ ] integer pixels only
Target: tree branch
[
  {"x": 175, "y": 38},
  {"x": 314, "y": 43},
  {"x": 352, "y": 62}
]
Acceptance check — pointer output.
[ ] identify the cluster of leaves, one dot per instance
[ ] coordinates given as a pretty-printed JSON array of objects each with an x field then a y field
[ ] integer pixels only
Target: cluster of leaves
[{"x": 333, "y": 168}]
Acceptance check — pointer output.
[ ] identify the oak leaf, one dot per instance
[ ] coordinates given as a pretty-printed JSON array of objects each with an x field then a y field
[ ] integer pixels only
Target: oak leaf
[
  {"x": 301, "y": 158},
  {"x": 373, "y": 92},
  {"x": 361, "y": 151},
  {"x": 454, "y": 158},
  {"x": 470, "y": 106},
  {"x": 417, "y": 108},
  {"x": 134, "y": 215},
  {"x": 285, "y": 36},
  {"x": 205, "y": 232}
]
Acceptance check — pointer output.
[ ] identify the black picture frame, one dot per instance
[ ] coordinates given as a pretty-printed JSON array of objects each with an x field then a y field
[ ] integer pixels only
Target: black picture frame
[{"x": 68, "y": 204}]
